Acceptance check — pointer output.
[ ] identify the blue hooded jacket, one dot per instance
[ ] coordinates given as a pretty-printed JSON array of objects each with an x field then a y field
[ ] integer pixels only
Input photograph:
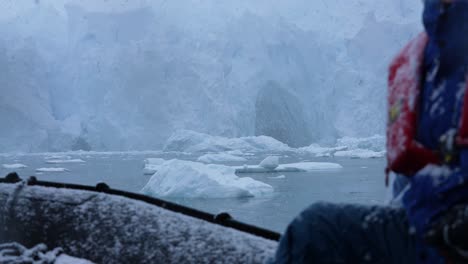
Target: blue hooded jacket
[{"x": 436, "y": 189}]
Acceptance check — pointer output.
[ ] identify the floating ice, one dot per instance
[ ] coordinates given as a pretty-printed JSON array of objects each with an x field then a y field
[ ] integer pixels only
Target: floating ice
[
  {"x": 220, "y": 158},
  {"x": 52, "y": 170},
  {"x": 270, "y": 163},
  {"x": 291, "y": 167},
  {"x": 363, "y": 148},
  {"x": 278, "y": 177},
  {"x": 177, "y": 178},
  {"x": 375, "y": 143},
  {"x": 360, "y": 154},
  {"x": 191, "y": 141},
  {"x": 14, "y": 166},
  {"x": 319, "y": 151},
  {"x": 61, "y": 161},
  {"x": 57, "y": 157},
  {"x": 152, "y": 165}
]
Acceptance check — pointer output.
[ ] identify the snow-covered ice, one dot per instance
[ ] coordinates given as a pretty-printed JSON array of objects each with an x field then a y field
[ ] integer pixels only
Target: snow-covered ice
[
  {"x": 58, "y": 157},
  {"x": 320, "y": 151},
  {"x": 220, "y": 158},
  {"x": 278, "y": 177},
  {"x": 177, "y": 178},
  {"x": 291, "y": 167},
  {"x": 270, "y": 163},
  {"x": 375, "y": 143},
  {"x": 152, "y": 165},
  {"x": 61, "y": 161},
  {"x": 191, "y": 142},
  {"x": 52, "y": 170},
  {"x": 360, "y": 154},
  {"x": 14, "y": 166}
]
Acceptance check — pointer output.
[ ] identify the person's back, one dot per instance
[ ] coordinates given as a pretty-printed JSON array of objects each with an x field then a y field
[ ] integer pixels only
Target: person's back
[{"x": 423, "y": 230}]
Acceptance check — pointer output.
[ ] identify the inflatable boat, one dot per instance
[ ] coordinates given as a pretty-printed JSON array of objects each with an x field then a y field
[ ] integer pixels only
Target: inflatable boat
[{"x": 104, "y": 225}]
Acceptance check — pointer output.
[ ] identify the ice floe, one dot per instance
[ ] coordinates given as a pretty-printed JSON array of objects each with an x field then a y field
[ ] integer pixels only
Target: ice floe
[
  {"x": 220, "y": 158},
  {"x": 375, "y": 143},
  {"x": 319, "y": 151},
  {"x": 362, "y": 148},
  {"x": 191, "y": 141},
  {"x": 57, "y": 157},
  {"x": 52, "y": 170},
  {"x": 360, "y": 154},
  {"x": 270, "y": 163},
  {"x": 177, "y": 178},
  {"x": 152, "y": 165},
  {"x": 278, "y": 177},
  {"x": 290, "y": 167},
  {"x": 14, "y": 166},
  {"x": 63, "y": 161}
]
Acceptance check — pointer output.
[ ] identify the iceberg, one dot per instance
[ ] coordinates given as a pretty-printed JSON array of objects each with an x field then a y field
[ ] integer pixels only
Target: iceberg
[
  {"x": 191, "y": 141},
  {"x": 278, "y": 177},
  {"x": 270, "y": 163},
  {"x": 375, "y": 143},
  {"x": 290, "y": 167},
  {"x": 360, "y": 154},
  {"x": 52, "y": 170},
  {"x": 14, "y": 166},
  {"x": 60, "y": 161},
  {"x": 152, "y": 165},
  {"x": 362, "y": 148},
  {"x": 220, "y": 158},
  {"x": 177, "y": 178},
  {"x": 319, "y": 151}
]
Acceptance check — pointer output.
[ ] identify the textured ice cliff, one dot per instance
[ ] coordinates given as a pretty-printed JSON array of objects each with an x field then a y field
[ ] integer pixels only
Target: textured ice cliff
[{"x": 124, "y": 75}]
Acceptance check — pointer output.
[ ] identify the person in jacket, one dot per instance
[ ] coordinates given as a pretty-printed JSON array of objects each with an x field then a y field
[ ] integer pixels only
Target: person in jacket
[{"x": 431, "y": 226}]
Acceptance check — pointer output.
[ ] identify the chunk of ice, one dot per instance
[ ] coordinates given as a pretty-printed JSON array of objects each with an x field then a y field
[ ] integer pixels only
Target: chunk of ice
[
  {"x": 52, "y": 170},
  {"x": 291, "y": 167},
  {"x": 270, "y": 163},
  {"x": 178, "y": 178},
  {"x": 14, "y": 166},
  {"x": 62, "y": 161},
  {"x": 220, "y": 158}
]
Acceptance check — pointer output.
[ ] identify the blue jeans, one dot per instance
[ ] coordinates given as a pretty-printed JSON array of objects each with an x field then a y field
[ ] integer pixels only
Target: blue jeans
[{"x": 334, "y": 233}]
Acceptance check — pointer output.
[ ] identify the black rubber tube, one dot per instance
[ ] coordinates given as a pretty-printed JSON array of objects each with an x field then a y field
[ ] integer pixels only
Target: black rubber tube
[{"x": 222, "y": 219}]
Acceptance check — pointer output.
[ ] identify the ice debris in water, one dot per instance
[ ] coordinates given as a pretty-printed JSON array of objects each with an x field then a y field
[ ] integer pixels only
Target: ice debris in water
[
  {"x": 57, "y": 157},
  {"x": 178, "y": 178},
  {"x": 152, "y": 165},
  {"x": 191, "y": 141},
  {"x": 14, "y": 166},
  {"x": 270, "y": 163},
  {"x": 278, "y": 177},
  {"x": 360, "y": 154},
  {"x": 360, "y": 148},
  {"x": 52, "y": 170},
  {"x": 60, "y": 161},
  {"x": 221, "y": 158},
  {"x": 290, "y": 167}
]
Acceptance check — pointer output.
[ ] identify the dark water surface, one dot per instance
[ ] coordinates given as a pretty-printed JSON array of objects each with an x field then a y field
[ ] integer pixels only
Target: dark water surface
[{"x": 360, "y": 181}]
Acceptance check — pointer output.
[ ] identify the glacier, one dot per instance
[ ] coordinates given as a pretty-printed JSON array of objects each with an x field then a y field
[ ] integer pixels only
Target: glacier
[{"x": 125, "y": 75}]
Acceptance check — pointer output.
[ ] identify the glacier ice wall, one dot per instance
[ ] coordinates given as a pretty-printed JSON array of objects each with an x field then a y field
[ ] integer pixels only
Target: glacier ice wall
[{"x": 124, "y": 75}]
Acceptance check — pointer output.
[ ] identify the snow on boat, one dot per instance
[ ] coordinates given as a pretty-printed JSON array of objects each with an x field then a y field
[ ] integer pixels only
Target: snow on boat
[{"x": 110, "y": 226}]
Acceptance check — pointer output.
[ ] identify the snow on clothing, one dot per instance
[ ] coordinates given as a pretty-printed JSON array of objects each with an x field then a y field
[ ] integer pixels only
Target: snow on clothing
[
  {"x": 435, "y": 189},
  {"x": 327, "y": 233}
]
